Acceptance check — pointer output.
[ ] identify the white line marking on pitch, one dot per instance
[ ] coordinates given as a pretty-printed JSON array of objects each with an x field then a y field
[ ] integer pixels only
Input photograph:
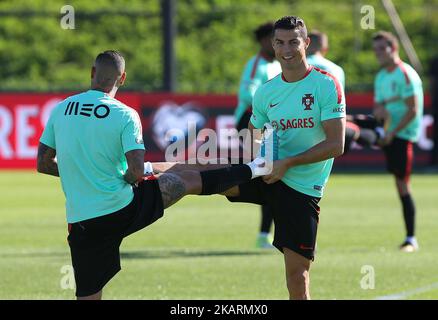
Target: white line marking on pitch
[{"x": 405, "y": 294}]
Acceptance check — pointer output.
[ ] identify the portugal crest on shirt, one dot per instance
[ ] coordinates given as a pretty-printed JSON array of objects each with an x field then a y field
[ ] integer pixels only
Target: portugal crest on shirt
[{"x": 307, "y": 101}]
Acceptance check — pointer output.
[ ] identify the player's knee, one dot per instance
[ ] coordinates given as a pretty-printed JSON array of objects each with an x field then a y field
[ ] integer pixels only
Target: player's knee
[
  {"x": 297, "y": 279},
  {"x": 96, "y": 296},
  {"x": 297, "y": 284}
]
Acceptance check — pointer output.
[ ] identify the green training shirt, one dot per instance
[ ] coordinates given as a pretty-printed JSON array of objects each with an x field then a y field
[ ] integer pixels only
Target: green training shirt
[
  {"x": 91, "y": 132},
  {"x": 391, "y": 88},
  {"x": 296, "y": 110},
  {"x": 257, "y": 71},
  {"x": 327, "y": 65}
]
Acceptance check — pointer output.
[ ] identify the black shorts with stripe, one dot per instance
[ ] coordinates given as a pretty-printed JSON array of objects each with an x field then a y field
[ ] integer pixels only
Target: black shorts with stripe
[
  {"x": 399, "y": 158},
  {"x": 296, "y": 215},
  {"x": 94, "y": 243},
  {"x": 244, "y": 120}
]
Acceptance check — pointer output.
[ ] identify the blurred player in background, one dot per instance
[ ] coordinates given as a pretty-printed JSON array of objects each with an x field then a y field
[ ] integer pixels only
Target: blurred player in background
[
  {"x": 259, "y": 69},
  {"x": 398, "y": 96},
  {"x": 94, "y": 143},
  {"x": 316, "y": 52}
]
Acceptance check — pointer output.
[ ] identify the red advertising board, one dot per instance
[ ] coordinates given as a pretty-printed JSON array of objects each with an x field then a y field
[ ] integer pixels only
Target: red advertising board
[{"x": 23, "y": 116}]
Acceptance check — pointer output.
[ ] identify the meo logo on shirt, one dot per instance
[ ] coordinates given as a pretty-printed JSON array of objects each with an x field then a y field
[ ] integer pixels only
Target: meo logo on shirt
[{"x": 101, "y": 111}]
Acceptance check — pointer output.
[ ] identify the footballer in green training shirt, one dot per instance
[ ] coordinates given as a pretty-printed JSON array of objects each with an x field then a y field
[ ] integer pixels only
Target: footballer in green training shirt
[
  {"x": 398, "y": 96},
  {"x": 306, "y": 107},
  {"x": 94, "y": 143}
]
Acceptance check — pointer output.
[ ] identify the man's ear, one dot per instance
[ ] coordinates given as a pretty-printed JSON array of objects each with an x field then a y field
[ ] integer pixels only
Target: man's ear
[
  {"x": 307, "y": 41},
  {"x": 93, "y": 72},
  {"x": 122, "y": 78}
]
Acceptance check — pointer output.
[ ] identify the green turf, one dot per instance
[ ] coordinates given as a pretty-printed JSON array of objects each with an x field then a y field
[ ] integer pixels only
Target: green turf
[{"x": 204, "y": 246}]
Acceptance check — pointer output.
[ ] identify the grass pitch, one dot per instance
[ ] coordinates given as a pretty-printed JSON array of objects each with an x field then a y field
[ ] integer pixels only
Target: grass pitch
[{"x": 203, "y": 248}]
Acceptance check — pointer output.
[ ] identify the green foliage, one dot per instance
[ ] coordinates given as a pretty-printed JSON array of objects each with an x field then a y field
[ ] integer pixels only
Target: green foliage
[{"x": 214, "y": 40}]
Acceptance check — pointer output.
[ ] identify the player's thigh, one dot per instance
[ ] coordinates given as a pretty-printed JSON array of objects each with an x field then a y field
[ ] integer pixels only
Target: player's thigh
[
  {"x": 295, "y": 263},
  {"x": 296, "y": 218},
  {"x": 94, "y": 248},
  {"x": 399, "y": 158},
  {"x": 175, "y": 185}
]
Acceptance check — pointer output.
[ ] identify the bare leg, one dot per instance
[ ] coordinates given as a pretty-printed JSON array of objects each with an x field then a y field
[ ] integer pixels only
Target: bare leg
[
  {"x": 176, "y": 185},
  {"x": 96, "y": 296},
  {"x": 297, "y": 275}
]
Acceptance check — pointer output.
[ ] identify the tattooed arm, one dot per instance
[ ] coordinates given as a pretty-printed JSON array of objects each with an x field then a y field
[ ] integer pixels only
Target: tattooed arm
[
  {"x": 46, "y": 162},
  {"x": 135, "y": 165}
]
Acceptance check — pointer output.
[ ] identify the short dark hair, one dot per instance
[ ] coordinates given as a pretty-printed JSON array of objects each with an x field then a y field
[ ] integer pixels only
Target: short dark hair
[
  {"x": 109, "y": 66},
  {"x": 390, "y": 39},
  {"x": 111, "y": 58},
  {"x": 318, "y": 41},
  {"x": 264, "y": 30},
  {"x": 292, "y": 23}
]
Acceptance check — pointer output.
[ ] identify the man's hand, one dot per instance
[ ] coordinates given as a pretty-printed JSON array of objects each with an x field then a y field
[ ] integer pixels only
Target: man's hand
[
  {"x": 279, "y": 169},
  {"x": 135, "y": 170},
  {"x": 387, "y": 139},
  {"x": 46, "y": 160},
  {"x": 380, "y": 113}
]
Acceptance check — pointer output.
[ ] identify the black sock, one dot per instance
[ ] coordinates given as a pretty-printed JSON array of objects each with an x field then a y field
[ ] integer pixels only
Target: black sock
[
  {"x": 266, "y": 219},
  {"x": 408, "y": 214},
  {"x": 220, "y": 180}
]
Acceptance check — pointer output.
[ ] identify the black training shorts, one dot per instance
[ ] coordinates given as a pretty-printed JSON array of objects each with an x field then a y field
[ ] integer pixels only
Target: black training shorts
[
  {"x": 399, "y": 158},
  {"x": 94, "y": 243},
  {"x": 244, "y": 120},
  {"x": 295, "y": 214}
]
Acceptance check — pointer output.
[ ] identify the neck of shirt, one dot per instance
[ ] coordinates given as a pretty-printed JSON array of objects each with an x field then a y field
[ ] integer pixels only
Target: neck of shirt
[{"x": 309, "y": 68}]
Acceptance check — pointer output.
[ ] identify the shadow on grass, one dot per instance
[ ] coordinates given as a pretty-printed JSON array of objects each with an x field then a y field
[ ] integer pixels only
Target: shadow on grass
[
  {"x": 164, "y": 253},
  {"x": 184, "y": 253}
]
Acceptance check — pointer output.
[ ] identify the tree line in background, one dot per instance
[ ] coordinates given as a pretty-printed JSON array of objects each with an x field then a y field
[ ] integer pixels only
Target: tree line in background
[{"x": 214, "y": 40}]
